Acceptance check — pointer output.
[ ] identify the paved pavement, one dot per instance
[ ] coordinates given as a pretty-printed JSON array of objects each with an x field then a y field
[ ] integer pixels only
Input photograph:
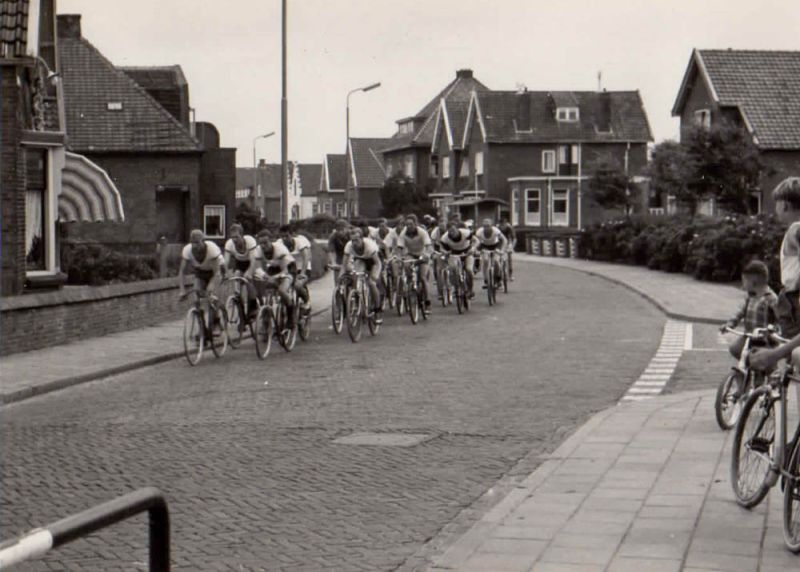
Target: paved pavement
[
  {"x": 42, "y": 371},
  {"x": 257, "y": 458},
  {"x": 677, "y": 295}
]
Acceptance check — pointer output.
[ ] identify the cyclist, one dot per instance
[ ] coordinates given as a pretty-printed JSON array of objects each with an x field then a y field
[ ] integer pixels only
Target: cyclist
[
  {"x": 363, "y": 255},
  {"x": 460, "y": 242},
  {"x": 205, "y": 259},
  {"x": 415, "y": 242},
  {"x": 336, "y": 243},
  {"x": 300, "y": 249},
  {"x": 489, "y": 239},
  {"x": 239, "y": 255},
  {"x": 436, "y": 236},
  {"x": 275, "y": 269},
  {"x": 508, "y": 230}
]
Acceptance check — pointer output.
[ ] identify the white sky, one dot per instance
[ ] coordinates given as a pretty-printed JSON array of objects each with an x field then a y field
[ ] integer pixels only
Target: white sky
[{"x": 230, "y": 53}]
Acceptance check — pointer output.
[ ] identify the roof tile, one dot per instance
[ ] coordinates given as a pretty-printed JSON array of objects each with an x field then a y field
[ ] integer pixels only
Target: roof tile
[
  {"x": 368, "y": 161},
  {"x": 13, "y": 28}
]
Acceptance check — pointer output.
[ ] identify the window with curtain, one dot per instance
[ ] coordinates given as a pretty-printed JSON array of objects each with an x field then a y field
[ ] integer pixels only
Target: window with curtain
[
  {"x": 36, "y": 210},
  {"x": 214, "y": 220}
]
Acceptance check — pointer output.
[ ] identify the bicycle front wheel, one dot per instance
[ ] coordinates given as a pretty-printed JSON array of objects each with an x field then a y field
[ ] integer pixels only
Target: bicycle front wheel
[
  {"x": 752, "y": 448},
  {"x": 490, "y": 288},
  {"x": 791, "y": 503},
  {"x": 304, "y": 325},
  {"x": 219, "y": 332},
  {"x": 412, "y": 303},
  {"x": 505, "y": 279},
  {"x": 400, "y": 298},
  {"x": 728, "y": 404},
  {"x": 354, "y": 316},
  {"x": 193, "y": 336},
  {"x": 263, "y": 332},
  {"x": 337, "y": 311},
  {"x": 287, "y": 337},
  {"x": 236, "y": 320}
]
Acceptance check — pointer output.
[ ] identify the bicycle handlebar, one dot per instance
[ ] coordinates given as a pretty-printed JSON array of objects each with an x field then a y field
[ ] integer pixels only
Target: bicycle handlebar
[{"x": 241, "y": 279}]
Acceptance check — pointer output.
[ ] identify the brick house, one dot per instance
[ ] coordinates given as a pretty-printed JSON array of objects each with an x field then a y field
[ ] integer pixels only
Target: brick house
[
  {"x": 173, "y": 175},
  {"x": 367, "y": 175},
  {"x": 260, "y": 189},
  {"x": 409, "y": 150},
  {"x": 306, "y": 184},
  {"x": 526, "y": 155},
  {"x": 331, "y": 197},
  {"x": 43, "y": 185},
  {"x": 758, "y": 90}
]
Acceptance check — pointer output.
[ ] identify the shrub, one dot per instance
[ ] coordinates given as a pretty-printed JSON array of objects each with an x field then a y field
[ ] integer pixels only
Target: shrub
[{"x": 95, "y": 264}]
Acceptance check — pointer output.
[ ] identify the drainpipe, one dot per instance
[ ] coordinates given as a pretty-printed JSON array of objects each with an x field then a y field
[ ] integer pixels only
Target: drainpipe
[{"x": 580, "y": 191}]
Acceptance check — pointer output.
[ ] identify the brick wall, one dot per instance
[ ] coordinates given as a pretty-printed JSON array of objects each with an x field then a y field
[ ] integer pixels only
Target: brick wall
[
  {"x": 137, "y": 176},
  {"x": 12, "y": 197},
  {"x": 42, "y": 320},
  {"x": 218, "y": 181}
]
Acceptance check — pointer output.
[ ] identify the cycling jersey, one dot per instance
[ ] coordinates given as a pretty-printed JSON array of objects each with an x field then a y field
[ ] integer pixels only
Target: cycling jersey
[
  {"x": 491, "y": 242},
  {"x": 414, "y": 245},
  {"x": 244, "y": 256},
  {"x": 370, "y": 249},
  {"x": 213, "y": 255},
  {"x": 279, "y": 254},
  {"x": 459, "y": 246},
  {"x": 436, "y": 237},
  {"x": 297, "y": 244}
]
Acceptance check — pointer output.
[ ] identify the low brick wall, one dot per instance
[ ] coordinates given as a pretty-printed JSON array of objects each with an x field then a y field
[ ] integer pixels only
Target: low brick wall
[{"x": 35, "y": 321}]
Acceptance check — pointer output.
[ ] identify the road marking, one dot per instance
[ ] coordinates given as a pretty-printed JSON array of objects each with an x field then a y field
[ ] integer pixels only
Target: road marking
[{"x": 677, "y": 338}]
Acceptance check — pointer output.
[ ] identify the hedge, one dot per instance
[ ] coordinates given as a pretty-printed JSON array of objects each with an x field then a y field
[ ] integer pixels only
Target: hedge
[{"x": 712, "y": 249}]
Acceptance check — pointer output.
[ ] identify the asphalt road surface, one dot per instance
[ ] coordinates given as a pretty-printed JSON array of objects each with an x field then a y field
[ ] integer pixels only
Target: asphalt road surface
[{"x": 245, "y": 449}]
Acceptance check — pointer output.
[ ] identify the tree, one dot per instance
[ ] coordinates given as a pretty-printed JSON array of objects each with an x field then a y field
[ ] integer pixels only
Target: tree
[
  {"x": 250, "y": 219},
  {"x": 611, "y": 188},
  {"x": 400, "y": 195},
  {"x": 670, "y": 170},
  {"x": 725, "y": 164}
]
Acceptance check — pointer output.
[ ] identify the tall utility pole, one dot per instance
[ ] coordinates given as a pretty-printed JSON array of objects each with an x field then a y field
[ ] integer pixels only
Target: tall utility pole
[
  {"x": 284, "y": 119},
  {"x": 349, "y": 201}
]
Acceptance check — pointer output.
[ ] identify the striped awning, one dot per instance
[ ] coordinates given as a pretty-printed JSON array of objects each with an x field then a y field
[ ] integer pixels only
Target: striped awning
[{"x": 87, "y": 193}]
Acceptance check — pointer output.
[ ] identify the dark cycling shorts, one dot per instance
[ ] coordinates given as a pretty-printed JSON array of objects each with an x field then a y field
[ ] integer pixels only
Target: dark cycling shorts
[
  {"x": 241, "y": 265},
  {"x": 275, "y": 270},
  {"x": 494, "y": 246},
  {"x": 202, "y": 278}
]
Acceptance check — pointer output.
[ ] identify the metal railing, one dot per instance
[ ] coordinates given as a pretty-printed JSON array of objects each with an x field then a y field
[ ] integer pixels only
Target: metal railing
[{"x": 39, "y": 541}]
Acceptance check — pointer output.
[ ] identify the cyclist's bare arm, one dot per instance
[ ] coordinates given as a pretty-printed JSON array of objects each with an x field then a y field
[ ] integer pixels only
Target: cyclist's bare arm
[
  {"x": 767, "y": 358},
  {"x": 181, "y": 279},
  {"x": 304, "y": 255}
]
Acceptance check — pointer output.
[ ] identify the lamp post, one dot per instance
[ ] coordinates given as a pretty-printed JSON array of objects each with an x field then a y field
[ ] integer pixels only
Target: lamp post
[
  {"x": 256, "y": 185},
  {"x": 347, "y": 147}
]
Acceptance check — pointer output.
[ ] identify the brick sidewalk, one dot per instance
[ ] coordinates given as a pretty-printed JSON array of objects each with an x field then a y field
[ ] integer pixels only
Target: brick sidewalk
[
  {"x": 640, "y": 487},
  {"x": 42, "y": 371},
  {"x": 679, "y": 296}
]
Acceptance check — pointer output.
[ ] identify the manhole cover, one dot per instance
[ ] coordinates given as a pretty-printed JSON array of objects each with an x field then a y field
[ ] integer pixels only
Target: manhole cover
[{"x": 383, "y": 439}]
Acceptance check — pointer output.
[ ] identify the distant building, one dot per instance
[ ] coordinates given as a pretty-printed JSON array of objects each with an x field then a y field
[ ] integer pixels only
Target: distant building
[
  {"x": 331, "y": 194},
  {"x": 758, "y": 90},
  {"x": 260, "y": 189},
  {"x": 367, "y": 175},
  {"x": 306, "y": 185}
]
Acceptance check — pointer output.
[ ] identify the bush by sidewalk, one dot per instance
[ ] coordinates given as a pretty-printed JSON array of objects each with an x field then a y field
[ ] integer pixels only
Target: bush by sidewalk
[
  {"x": 712, "y": 249},
  {"x": 93, "y": 264}
]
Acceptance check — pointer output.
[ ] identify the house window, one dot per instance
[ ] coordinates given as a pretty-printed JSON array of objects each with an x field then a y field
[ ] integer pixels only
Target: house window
[
  {"x": 560, "y": 208},
  {"x": 214, "y": 221},
  {"x": 40, "y": 212},
  {"x": 446, "y": 167},
  {"x": 340, "y": 209},
  {"x": 702, "y": 118},
  {"x": 479, "y": 162},
  {"x": 388, "y": 169},
  {"x": 408, "y": 166},
  {"x": 548, "y": 161},
  {"x": 568, "y": 114},
  {"x": 563, "y": 155},
  {"x": 576, "y": 154},
  {"x": 464, "y": 172},
  {"x": 515, "y": 207},
  {"x": 327, "y": 207},
  {"x": 314, "y": 209},
  {"x": 533, "y": 207},
  {"x": 434, "y": 167}
]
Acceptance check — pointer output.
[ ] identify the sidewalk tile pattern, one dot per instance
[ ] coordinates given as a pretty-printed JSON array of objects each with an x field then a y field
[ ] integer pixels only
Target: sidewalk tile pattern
[{"x": 654, "y": 379}]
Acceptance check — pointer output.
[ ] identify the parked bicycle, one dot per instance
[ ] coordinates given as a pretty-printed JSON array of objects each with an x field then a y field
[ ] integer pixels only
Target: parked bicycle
[
  {"x": 196, "y": 333},
  {"x": 360, "y": 308},
  {"x": 734, "y": 389},
  {"x": 762, "y": 454}
]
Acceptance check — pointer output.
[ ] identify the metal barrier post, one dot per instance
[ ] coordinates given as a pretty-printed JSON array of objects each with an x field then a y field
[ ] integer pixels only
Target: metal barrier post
[{"x": 41, "y": 540}]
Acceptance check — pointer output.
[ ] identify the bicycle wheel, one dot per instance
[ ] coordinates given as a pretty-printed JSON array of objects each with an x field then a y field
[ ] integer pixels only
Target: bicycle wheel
[
  {"x": 263, "y": 331},
  {"x": 490, "y": 287},
  {"x": 412, "y": 303},
  {"x": 287, "y": 337},
  {"x": 304, "y": 325},
  {"x": 337, "y": 311},
  {"x": 752, "y": 442},
  {"x": 354, "y": 316},
  {"x": 193, "y": 336},
  {"x": 400, "y": 298},
  {"x": 372, "y": 318},
  {"x": 458, "y": 294},
  {"x": 791, "y": 502},
  {"x": 389, "y": 285},
  {"x": 728, "y": 404},
  {"x": 505, "y": 279},
  {"x": 219, "y": 332},
  {"x": 236, "y": 320},
  {"x": 423, "y": 307}
]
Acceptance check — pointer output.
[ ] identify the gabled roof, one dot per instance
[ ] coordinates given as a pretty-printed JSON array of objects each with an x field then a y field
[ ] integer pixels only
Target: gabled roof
[
  {"x": 268, "y": 176},
  {"x": 763, "y": 85},
  {"x": 367, "y": 161},
  {"x": 334, "y": 173},
  {"x": 309, "y": 174},
  {"x": 13, "y": 28},
  {"x": 608, "y": 116},
  {"x": 90, "y": 83},
  {"x": 450, "y": 122},
  {"x": 458, "y": 90}
]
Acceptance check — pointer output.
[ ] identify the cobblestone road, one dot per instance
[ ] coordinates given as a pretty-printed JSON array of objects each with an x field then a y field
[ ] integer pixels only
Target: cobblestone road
[{"x": 253, "y": 477}]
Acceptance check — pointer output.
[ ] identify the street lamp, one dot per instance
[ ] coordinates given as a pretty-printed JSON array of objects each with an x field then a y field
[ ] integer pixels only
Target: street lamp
[
  {"x": 256, "y": 185},
  {"x": 347, "y": 147}
]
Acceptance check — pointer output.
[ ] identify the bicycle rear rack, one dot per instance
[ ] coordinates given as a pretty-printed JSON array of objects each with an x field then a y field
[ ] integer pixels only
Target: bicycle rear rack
[{"x": 39, "y": 541}]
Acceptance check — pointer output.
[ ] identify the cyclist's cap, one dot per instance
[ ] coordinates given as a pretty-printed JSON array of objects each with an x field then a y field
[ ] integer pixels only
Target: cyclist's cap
[
  {"x": 487, "y": 222},
  {"x": 412, "y": 217}
]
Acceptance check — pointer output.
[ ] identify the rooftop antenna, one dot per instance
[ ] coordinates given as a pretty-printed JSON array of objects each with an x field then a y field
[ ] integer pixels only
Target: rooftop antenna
[{"x": 521, "y": 87}]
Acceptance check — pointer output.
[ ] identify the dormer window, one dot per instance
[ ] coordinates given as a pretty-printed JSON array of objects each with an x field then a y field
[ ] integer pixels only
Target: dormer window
[
  {"x": 567, "y": 114},
  {"x": 114, "y": 106},
  {"x": 406, "y": 128},
  {"x": 702, "y": 118}
]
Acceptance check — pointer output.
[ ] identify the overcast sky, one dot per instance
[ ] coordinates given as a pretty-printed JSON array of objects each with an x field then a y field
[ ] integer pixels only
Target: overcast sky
[{"x": 230, "y": 53}]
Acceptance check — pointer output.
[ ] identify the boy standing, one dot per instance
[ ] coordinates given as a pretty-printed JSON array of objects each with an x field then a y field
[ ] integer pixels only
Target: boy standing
[{"x": 758, "y": 309}]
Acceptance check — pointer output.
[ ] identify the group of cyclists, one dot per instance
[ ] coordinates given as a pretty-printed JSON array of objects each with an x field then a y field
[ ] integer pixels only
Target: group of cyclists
[{"x": 282, "y": 261}]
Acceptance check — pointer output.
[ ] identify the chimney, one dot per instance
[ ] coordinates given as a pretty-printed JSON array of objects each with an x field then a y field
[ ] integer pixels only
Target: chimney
[
  {"x": 69, "y": 26},
  {"x": 523, "y": 110},
  {"x": 262, "y": 164},
  {"x": 464, "y": 74}
]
